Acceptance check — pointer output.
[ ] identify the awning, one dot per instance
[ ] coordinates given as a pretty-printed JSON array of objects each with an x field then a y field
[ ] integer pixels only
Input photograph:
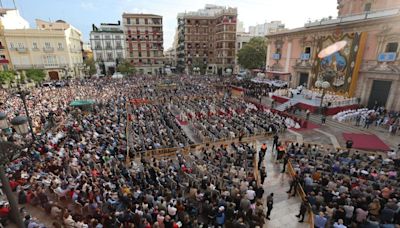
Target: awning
[
  {"x": 79, "y": 103},
  {"x": 277, "y": 72}
]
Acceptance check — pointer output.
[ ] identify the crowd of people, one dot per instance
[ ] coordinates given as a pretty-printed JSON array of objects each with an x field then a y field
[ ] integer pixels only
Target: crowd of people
[
  {"x": 347, "y": 188},
  {"x": 78, "y": 168}
]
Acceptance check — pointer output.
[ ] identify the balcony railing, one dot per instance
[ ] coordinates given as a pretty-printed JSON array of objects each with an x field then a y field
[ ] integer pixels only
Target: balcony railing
[
  {"x": 48, "y": 49},
  {"x": 387, "y": 57},
  {"x": 35, "y": 49},
  {"x": 21, "y": 49}
]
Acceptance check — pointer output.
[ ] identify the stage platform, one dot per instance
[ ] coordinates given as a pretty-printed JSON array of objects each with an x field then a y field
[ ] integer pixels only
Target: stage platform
[{"x": 311, "y": 104}]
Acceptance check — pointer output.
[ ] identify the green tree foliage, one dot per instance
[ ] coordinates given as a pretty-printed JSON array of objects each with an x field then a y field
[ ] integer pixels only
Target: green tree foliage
[
  {"x": 36, "y": 75},
  {"x": 253, "y": 54},
  {"x": 125, "y": 68},
  {"x": 91, "y": 64},
  {"x": 6, "y": 76}
]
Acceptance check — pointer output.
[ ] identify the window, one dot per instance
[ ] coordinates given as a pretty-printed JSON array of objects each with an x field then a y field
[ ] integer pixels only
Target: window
[
  {"x": 119, "y": 55},
  {"x": 128, "y": 21},
  {"x": 118, "y": 44},
  {"x": 47, "y": 44},
  {"x": 60, "y": 46},
  {"x": 146, "y": 21},
  {"x": 109, "y": 56},
  {"x": 117, "y": 37},
  {"x": 367, "y": 7},
  {"x": 107, "y": 37},
  {"x": 307, "y": 50},
  {"x": 392, "y": 47},
  {"x": 140, "y": 54},
  {"x": 20, "y": 45},
  {"x": 97, "y": 37},
  {"x": 108, "y": 44},
  {"x": 137, "y": 21},
  {"x": 97, "y": 45},
  {"x": 34, "y": 45},
  {"x": 99, "y": 56},
  {"x": 11, "y": 45}
]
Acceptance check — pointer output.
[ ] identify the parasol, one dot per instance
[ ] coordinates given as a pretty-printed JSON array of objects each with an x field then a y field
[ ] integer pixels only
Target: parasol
[{"x": 332, "y": 49}]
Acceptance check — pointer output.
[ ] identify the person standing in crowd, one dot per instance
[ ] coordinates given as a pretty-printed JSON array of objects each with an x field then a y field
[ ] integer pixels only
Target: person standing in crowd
[
  {"x": 293, "y": 185},
  {"x": 285, "y": 161},
  {"x": 261, "y": 154},
  {"x": 320, "y": 220},
  {"x": 270, "y": 204},
  {"x": 323, "y": 119},
  {"x": 308, "y": 115},
  {"x": 303, "y": 210},
  {"x": 275, "y": 143},
  {"x": 263, "y": 175}
]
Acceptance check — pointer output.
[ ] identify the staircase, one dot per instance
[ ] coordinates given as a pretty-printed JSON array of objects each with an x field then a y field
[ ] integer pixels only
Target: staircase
[{"x": 282, "y": 107}]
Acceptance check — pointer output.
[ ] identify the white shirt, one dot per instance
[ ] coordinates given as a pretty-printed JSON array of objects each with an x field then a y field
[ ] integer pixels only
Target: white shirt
[
  {"x": 250, "y": 194},
  {"x": 172, "y": 210}
]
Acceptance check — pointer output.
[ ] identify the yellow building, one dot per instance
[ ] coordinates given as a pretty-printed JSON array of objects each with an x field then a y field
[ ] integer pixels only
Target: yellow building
[
  {"x": 5, "y": 62},
  {"x": 52, "y": 46}
]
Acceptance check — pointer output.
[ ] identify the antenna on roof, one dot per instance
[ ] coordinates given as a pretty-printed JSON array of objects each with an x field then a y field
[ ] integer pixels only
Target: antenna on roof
[{"x": 15, "y": 6}]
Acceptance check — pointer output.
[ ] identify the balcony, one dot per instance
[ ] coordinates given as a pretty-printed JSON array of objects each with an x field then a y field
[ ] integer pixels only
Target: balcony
[
  {"x": 108, "y": 48},
  {"x": 4, "y": 61},
  {"x": 118, "y": 47},
  {"x": 387, "y": 57},
  {"x": 305, "y": 56},
  {"x": 21, "y": 50},
  {"x": 48, "y": 49},
  {"x": 35, "y": 49},
  {"x": 60, "y": 49}
]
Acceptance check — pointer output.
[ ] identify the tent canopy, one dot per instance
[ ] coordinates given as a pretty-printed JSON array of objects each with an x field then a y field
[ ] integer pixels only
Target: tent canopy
[{"x": 79, "y": 103}]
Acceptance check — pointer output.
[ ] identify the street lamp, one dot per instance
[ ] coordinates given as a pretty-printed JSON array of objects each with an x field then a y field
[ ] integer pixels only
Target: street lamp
[
  {"x": 10, "y": 152},
  {"x": 324, "y": 85}
]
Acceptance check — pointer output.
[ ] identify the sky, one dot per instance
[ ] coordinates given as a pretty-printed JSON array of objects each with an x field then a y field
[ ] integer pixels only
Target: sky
[{"x": 83, "y": 13}]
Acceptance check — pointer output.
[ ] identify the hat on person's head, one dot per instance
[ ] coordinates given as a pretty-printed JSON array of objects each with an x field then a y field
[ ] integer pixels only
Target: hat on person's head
[{"x": 221, "y": 208}]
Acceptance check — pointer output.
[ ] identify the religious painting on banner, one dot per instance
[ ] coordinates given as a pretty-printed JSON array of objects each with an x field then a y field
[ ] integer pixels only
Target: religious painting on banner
[{"x": 338, "y": 67}]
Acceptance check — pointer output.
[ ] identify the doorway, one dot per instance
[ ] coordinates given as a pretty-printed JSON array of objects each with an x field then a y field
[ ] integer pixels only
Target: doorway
[
  {"x": 53, "y": 75},
  {"x": 379, "y": 93},
  {"x": 303, "y": 79}
]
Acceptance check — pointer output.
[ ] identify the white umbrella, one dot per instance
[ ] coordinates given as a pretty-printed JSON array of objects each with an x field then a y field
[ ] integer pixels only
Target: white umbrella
[{"x": 332, "y": 49}]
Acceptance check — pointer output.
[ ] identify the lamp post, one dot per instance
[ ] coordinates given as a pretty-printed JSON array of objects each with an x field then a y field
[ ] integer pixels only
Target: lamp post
[
  {"x": 23, "y": 94},
  {"x": 9, "y": 152},
  {"x": 324, "y": 85}
]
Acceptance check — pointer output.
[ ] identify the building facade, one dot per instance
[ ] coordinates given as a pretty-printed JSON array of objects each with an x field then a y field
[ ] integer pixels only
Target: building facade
[
  {"x": 108, "y": 45},
  {"x": 9, "y": 19},
  {"x": 53, "y": 46},
  {"x": 368, "y": 66},
  {"x": 241, "y": 40},
  {"x": 144, "y": 42},
  {"x": 266, "y": 28},
  {"x": 206, "y": 39}
]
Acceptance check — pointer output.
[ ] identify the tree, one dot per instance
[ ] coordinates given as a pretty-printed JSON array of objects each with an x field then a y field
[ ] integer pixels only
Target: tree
[
  {"x": 36, "y": 75},
  {"x": 89, "y": 62},
  {"x": 126, "y": 68},
  {"x": 253, "y": 54},
  {"x": 6, "y": 76}
]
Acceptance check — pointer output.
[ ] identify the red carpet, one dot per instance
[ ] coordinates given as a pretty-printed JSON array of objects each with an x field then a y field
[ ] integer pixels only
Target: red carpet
[
  {"x": 366, "y": 142},
  {"x": 181, "y": 122}
]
